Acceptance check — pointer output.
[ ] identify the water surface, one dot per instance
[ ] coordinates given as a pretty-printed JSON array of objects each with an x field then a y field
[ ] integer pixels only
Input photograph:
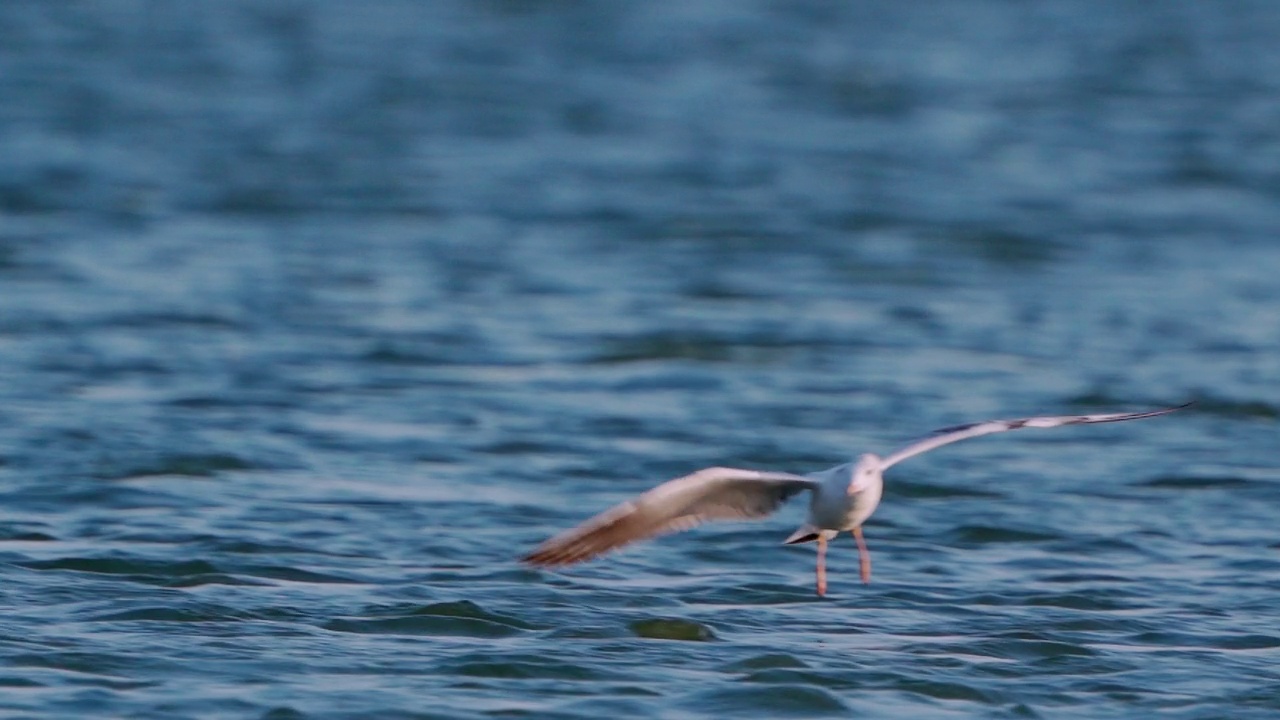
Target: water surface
[{"x": 313, "y": 319}]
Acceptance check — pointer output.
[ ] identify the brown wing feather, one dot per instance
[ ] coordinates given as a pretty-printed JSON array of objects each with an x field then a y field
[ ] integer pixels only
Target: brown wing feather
[{"x": 680, "y": 504}]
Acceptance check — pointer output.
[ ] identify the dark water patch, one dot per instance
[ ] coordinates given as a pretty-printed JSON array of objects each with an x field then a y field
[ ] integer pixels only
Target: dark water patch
[
  {"x": 1110, "y": 623},
  {"x": 89, "y": 663},
  {"x": 424, "y": 625},
  {"x": 1266, "y": 566},
  {"x": 1093, "y": 600},
  {"x": 152, "y": 320},
  {"x": 249, "y": 547},
  {"x": 160, "y": 537},
  {"x": 198, "y": 614},
  {"x": 1021, "y": 645},
  {"x": 710, "y": 289},
  {"x": 1184, "y": 640},
  {"x": 1238, "y": 409},
  {"x": 612, "y": 707},
  {"x": 183, "y": 465},
  {"x": 721, "y": 548},
  {"x": 53, "y": 499},
  {"x": 925, "y": 597},
  {"x": 522, "y": 447},
  {"x": 233, "y": 400},
  {"x": 697, "y": 348},
  {"x": 920, "y": 317},
  {"x": 1100, "y": 399},
  {"x": 468, "y": 609},
  {"x": 799, "y": 677},
  {"x": 213, "y": 579},
  {"x": 672, "y": 629},
  {"x": 753, "y": 593},
  {"x": 941, "y": 690},
  {"x": 8, "y": 258},
  {"x": 1244, "y": 641},
  {"x": 283, "y": 614},
  {"x": 927, "y": 491},
  {"x": 1188, "y": 482},
  {"x": 622, "y": 426},
  {"x": 523, "y": 667},
  {"x": 587, "y": 632},
  {"x": 1065, "y": 547},
  {"x": 283, "y": 713},
  {"x": 670, "y": 377},
  {"x": 767, "y": 701},
  {"x": 445, "y": 350},
  {"x": 1075, "y": 578},
  {"x": 1264, "y": 697},
  {"x": 769, "y": 456},
  {"x": 1118, "y": 691},
  {"x": 465, "y": 573},
  {"x": 987, "y": 535},
  {"x": 19, "y": 682},
  {"x": 154, "y": 572},
  {"x": 14, "y": 534},
  {"x": 440, "y": 456},
  {"x": 1001, "y": 246},
  {"x": 768, "y": 661},
  {"x": 462, "y": 618},
  {"x": 298, "y": 575}
]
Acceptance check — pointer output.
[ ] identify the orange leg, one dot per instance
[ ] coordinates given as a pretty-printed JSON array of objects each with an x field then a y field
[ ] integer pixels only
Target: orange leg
[
  {"x": 822, "y": 565},
  {"x": 864, "y": 557}
]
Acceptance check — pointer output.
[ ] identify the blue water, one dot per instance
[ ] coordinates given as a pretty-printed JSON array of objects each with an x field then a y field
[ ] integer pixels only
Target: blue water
[{"x": 315, "y": 316}]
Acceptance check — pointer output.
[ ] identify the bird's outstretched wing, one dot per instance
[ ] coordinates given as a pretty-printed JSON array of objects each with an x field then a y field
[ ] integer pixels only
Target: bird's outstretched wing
[
  {"x": 712, "y": 494},
  {"x": 955, "y": 433}
]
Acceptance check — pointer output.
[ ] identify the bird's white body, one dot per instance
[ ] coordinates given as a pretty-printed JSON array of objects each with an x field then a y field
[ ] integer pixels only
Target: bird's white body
[{"x": 841, "y": 498}]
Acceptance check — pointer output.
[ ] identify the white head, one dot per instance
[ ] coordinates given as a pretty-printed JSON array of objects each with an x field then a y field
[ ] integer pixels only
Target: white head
[
  {"x": 865, "y": 487},
  {"x": 866, "y": 474}
]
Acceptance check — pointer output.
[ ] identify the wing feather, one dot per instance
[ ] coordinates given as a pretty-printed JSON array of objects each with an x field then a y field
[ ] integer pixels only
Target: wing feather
[
  {"x": 711, "y": 494},
  {"x": 955, "y": 433}
]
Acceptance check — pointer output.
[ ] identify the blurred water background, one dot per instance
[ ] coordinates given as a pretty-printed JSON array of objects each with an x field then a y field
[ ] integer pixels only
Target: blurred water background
[{"x": 315, "y": 315}]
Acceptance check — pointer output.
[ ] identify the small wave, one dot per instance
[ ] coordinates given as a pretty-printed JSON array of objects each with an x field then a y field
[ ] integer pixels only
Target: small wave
[
  {"x": 151, "y": 571},
  {"x": 768, "y": 701},
  {"x": 205, "y": 613},
  {"x": 522, "y": 667},
  {"x": 460, "y": 618},
  {"x": 768, "y": 661},
  {"x": 672, "y": 629},
  {"x": 1189, "y": 482},
  {"x": 914, "y": 490},
  {"x": 985, "y": 534},
  {"x": 183, "y": 465}
]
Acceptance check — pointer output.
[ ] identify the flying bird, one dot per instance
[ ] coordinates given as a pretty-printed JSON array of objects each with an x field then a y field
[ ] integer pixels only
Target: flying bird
[{"x": 840, "y": 498}]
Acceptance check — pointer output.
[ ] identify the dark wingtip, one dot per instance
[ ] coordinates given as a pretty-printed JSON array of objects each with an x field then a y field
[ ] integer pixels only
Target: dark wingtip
[
  {"x": 797, "y": 539},
  {"x": 1173, "y": 408}
]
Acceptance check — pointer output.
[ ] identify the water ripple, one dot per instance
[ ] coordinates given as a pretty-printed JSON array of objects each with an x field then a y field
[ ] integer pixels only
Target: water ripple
[{"x": 313, "y": 320}]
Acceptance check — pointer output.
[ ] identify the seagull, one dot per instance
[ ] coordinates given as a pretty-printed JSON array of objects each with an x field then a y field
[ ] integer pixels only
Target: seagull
[{"x": 840, "y": 498}]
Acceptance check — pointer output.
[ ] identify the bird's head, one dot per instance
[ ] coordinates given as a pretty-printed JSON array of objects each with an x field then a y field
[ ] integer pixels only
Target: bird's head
[{"x": 866, "y": 473}]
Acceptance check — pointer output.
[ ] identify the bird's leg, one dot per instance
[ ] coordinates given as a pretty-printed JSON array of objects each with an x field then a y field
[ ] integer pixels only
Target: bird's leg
[
  {"x": 822, "y": 565},
  {"x": 864, "y": 557}
]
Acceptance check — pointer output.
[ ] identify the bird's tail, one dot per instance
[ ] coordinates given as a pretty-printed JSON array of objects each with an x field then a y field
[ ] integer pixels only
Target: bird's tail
[{"x": 806, "y": 533}]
